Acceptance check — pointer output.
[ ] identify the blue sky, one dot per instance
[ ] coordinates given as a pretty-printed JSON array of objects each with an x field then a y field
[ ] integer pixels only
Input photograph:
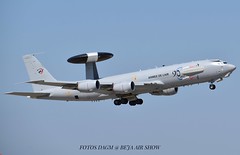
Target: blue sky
[{"x": 141, "y": 35}]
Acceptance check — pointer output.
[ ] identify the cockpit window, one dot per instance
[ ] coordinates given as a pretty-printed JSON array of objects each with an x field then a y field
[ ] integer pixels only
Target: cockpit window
[{"x": 217, "y": 60}]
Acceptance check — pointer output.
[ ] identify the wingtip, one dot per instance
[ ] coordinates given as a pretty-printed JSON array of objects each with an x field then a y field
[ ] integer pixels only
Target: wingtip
[{"x": 8, "y": 93}]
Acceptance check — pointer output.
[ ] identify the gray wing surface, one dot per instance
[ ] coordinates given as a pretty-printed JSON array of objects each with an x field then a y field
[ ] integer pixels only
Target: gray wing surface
[
  {"x": 30, "y": 94},
  {"x": 64, "y": 85}
]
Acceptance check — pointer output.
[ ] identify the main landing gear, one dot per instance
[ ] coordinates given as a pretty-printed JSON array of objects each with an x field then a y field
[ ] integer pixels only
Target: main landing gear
[
  {"x": 125, "y": 101},
  {"x": 136, "y": 102},
  {"x": 212, "y": 86},
  {"x": 120, "y": 101}
]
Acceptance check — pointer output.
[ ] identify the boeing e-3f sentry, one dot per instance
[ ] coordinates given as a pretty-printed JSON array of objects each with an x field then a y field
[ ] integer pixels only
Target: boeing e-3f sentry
[{"x": 123, "y": 88}]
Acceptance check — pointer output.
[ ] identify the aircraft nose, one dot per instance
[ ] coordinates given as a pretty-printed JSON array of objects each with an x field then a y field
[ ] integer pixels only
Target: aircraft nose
[{"x": 231, "y": 67}]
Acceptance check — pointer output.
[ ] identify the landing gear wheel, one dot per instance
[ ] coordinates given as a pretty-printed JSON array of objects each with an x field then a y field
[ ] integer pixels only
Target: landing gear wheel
[
  {"x": 124, "y": 101},
  {"x": 132, "y": 103},
  {"x": 136, "y": 102},
  {"x": 117, "y": 102},
  {"x": 212, "y": 86},
  {"x": 139, "y": 101}
]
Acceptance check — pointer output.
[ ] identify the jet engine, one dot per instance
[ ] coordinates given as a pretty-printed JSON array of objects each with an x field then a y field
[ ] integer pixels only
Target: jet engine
[
  {"x": 88, "y": 85},
  {"x": 166, "y": 92},
  {"x": 124, "y": 87}
]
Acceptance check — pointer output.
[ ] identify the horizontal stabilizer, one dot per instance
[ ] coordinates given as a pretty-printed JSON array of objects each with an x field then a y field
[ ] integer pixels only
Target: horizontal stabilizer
[
  {"x": 29, "y": 94},
  {"x": 64, "y": 85}
]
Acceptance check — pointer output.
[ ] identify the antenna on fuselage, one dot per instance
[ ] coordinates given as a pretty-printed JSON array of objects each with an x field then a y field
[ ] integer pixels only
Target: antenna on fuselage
[{"x": 90, "y": 59}]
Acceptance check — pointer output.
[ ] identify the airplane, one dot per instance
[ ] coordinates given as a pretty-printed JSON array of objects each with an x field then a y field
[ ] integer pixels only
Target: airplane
[{"x": 123, "y": 88}]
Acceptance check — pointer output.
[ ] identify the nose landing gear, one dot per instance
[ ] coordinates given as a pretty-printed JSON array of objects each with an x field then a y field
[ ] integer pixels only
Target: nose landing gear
[{"x": 212, "y": 86}]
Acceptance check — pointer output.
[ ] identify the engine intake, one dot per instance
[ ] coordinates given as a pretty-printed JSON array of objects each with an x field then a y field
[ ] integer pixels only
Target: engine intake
[
  {"x": 88, "y": 85},
  {"x": 126, "y": 87}
]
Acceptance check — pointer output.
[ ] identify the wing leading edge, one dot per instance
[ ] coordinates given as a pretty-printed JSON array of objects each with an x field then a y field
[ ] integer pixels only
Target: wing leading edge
[
  {"x": 64, "y": 85},
  {"x": 29, "y": 94}
]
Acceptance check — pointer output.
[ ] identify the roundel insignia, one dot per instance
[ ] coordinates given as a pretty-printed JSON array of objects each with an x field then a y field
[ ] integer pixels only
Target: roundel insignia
[{"x": 40, "y": 70}]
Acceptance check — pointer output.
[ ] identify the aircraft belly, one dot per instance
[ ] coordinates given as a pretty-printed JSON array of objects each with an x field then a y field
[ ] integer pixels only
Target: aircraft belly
[{"x": 75, "y": 95}]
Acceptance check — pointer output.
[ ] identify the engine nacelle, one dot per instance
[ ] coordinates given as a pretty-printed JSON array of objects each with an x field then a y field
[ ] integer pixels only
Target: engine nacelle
[
  {"x": 88, "y": 85},
  {"x": 125, "y": 87},
  {"x": 166, "y": 92}
]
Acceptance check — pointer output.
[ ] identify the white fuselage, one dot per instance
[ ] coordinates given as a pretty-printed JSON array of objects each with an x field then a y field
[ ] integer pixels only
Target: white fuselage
[{"x": 165, "y": 77}]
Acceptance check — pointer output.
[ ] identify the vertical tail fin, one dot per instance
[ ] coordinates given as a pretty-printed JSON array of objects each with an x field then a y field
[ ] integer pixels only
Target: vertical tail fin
[{"x": 36, "y": 71}]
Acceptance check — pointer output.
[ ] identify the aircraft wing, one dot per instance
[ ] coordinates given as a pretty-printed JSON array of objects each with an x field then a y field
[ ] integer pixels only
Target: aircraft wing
[
  {"x": 63, "y": 84},
  {"x": 30, "y": 94},
  {"x": 140, "y": 87},
  {"x": 107, "y": 88},
  {"x": 148, "y": 86},
  {"x": 156, "y": 83}
]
